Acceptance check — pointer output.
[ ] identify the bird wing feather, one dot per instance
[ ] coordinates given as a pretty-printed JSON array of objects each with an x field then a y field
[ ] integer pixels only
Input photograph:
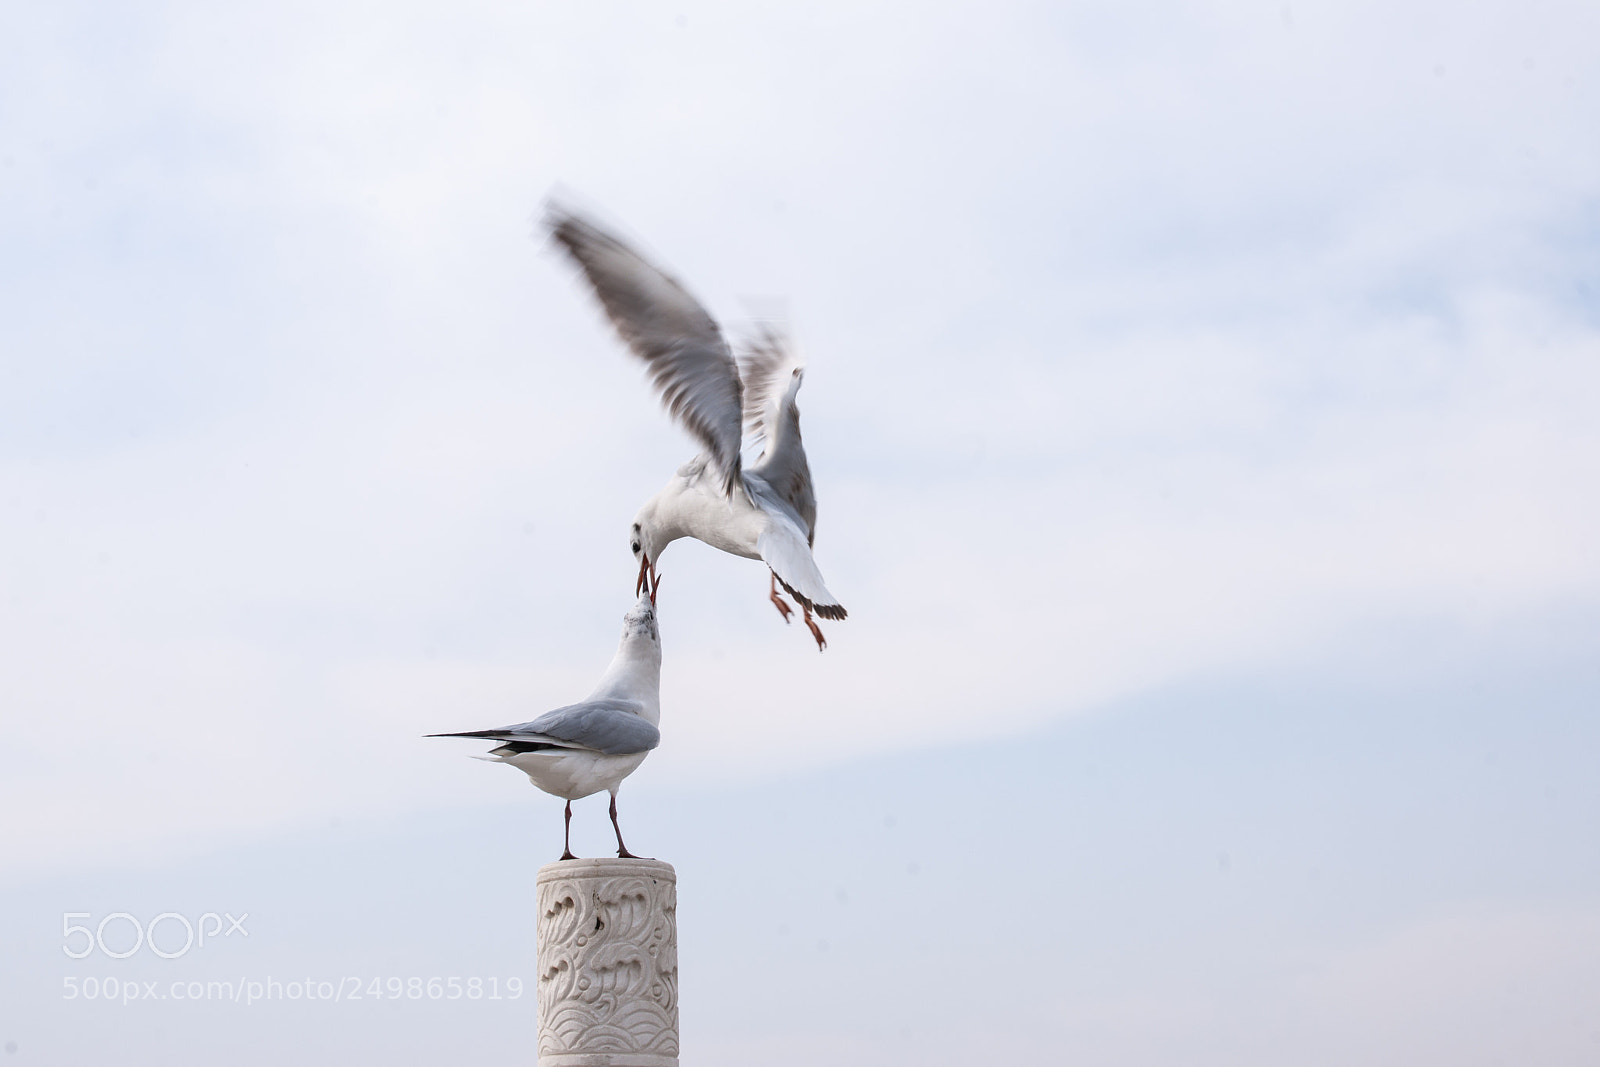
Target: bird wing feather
[
  {"x": 784, "y": 549},
  {"x": 771, "y": 373},
  {"x": 613, "y": 727},
  {"x": 689, "y": 362}
]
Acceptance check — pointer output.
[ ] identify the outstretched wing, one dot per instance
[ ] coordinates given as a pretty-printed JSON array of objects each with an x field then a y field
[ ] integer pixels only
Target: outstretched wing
[
  {"x": 689, "y": 361},
  {"x": 772, "y": 373},
  {"x": 609, "y": 726}
]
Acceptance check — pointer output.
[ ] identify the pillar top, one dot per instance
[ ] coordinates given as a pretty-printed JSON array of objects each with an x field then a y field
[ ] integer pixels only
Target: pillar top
[{"x": 607, "y": 867}]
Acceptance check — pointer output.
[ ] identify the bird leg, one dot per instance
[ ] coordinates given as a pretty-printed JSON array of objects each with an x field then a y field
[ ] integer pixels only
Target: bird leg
[
  {"x": 566, "y": 837},
  {"x": 622, "y": 850},
  {"x": 783, "y": 609},
  {"x": 815, "y": 631}
]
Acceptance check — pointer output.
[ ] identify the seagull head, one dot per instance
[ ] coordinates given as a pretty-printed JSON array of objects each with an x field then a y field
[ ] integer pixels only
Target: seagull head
[
  {"x": 642, "y": 541},
  {"x": 640, "y": 621}
]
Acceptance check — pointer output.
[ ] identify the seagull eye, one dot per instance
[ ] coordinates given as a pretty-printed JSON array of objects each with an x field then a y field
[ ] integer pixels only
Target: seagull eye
[{"x": 636, "y": 546}]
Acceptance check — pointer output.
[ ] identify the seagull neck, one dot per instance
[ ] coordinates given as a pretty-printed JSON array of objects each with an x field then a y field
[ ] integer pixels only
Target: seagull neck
[
  {"x": 634, "y": 674},
  {"x": 667, "y": 516},
  {"x": 662, "y": 532}
]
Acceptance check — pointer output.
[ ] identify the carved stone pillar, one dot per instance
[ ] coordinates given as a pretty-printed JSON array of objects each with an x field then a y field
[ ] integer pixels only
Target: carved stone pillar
[{"x": 608, "y": 963}]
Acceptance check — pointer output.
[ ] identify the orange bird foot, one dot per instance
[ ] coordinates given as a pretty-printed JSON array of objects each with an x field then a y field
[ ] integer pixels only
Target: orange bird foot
[
  {"x": 815, "y": 631},
  {"x": 778, "y": 602}
]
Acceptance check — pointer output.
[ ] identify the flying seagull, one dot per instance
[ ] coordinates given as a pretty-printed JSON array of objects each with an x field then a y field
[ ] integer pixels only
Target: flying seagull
[
  {"x": 578, "y": 750},
  {"x": 766, "y": 511}
]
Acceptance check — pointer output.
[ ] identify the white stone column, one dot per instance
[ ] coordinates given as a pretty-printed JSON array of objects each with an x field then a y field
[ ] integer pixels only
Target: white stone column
[{"x": 608, "y": 963}]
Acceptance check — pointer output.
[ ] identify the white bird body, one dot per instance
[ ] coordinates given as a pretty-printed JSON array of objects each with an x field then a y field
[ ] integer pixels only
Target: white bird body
[
  {"x": 691, "y": 506},
  {"x": 767, "y": 511},
  {"x": 573, "y": 775},
  {"x": 634, "y": 677},
  {"x": 591, "y": 746}
]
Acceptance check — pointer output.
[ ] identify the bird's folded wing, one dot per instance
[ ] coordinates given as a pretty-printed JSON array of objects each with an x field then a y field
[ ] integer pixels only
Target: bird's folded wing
[
  {"x": 609, "y": 726},
  {"x": 783, "y": 548},
  {"x": 689, "y": 361}
]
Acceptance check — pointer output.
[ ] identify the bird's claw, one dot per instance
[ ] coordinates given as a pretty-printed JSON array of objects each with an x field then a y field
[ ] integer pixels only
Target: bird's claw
[
  {"x": 783, "y": 608},
  {"x": 816, "y": 632}
]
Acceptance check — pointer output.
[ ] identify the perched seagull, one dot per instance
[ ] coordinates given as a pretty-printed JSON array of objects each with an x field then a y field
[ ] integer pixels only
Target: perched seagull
[
  {"x": 766, "y": 511},
  {"x": 578, "y": 750}
]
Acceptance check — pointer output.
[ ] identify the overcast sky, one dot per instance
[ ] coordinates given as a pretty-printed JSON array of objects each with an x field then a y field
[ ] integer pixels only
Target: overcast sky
[{"x": 1154, "y": 348}]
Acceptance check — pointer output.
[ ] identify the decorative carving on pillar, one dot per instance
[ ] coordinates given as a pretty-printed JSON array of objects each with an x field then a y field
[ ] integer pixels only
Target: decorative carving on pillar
[{"x": 608, "y": 963}]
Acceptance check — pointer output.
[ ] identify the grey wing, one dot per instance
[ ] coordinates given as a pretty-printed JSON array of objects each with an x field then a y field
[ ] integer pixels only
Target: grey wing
[
  {"x": 608, "y": 726},
  {"x": 772, "y": 374},
  {"x": 689, "y": 361}
]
